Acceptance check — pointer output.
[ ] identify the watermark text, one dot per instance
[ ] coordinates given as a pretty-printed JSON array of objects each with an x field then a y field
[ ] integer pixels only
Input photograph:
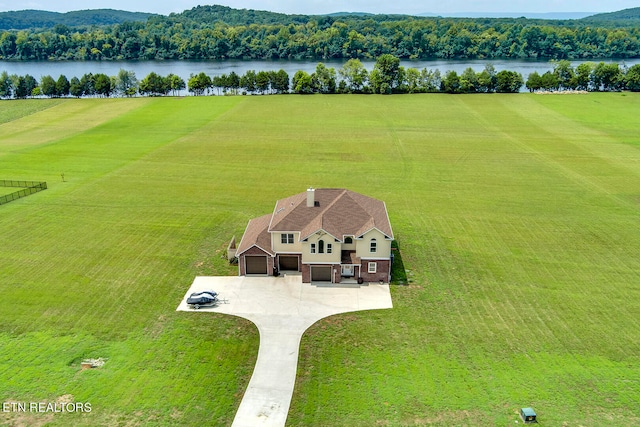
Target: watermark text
[{"x": 46, "y": 407}]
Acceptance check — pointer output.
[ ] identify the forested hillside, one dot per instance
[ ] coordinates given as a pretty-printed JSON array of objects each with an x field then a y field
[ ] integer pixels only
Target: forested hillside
[
  {"x": 25, "y": 19},
  {"x": 217, "y": 32},
  {"x": 625, "y": 16}
]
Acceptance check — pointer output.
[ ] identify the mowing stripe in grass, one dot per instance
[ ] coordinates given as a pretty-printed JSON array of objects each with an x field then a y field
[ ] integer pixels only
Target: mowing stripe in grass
[{"x": 21, "y": 108}]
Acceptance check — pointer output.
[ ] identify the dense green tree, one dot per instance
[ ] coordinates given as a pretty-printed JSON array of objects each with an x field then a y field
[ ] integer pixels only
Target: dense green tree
[
  {"x": 198, "y": 84},
  {"x": 87, "y": 82},
  {"x": 487, "y": 79},
  {"x": 431, "y": 80},
  {"x": 62, "y": 86},
  {"x": 5, "y": 85},
  {"x": 549, "y": 81},
  {"x": 469, "y": 81},
  {"x": 102, "y": 84},
  {"x": 31, "y": 83},
  {"x": 75, "y": 87},
  {"x": 413, "y": 81},
  {"x": 324, "y": 79},
  {"x": 302, "y": 82},
  {"x": 20, "y": 89},
  {"x": 355, "y": 75},
  {"x": 565, "y": 74},
  {"x": 48, "y": 86},
  {"x": 177, "y": 83},
  {"x": 508, "y": 81},
  {"x": 126, "y": 83},
  {"x": 534, "y": 82},
  {"x": 584, "y": 75},
  {"x": 384, "y": 77},
  {"x": 632, "y": 78},
  {"x": 451, "y": 82},
  {"x": 402, "y": 80},
  {"x": 248, "y": 81},
  {"x": 607, "y": 77},
  {"x": 263, "y": 81},
  {"x": 377, "y": 83},
  {"x": 218, "y": 82},
  {"x": 280, "y": 81},
  {"x": 233, "y": 82}
]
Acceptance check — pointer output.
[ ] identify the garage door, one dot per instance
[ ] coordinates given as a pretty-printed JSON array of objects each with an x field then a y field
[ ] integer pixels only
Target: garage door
[
  {"x": 256, "y": 264},
  {"x": 320, "y": 274},
  {"x": 289, "y": 263}
]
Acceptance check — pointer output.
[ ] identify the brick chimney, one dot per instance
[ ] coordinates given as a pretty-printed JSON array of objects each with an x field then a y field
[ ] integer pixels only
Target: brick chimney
[{"x": 311, "y": 197}]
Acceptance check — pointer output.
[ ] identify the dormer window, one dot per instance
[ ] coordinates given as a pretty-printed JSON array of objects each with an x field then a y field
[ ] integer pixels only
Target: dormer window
[
  {"x": 286, "y": 238},
  {"x": 373, "y": 247},
  {"x": 348, "y": 240}
]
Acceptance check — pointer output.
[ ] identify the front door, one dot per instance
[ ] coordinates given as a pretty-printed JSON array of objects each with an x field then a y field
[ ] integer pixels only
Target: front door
[{"x": 347, "y": 270}]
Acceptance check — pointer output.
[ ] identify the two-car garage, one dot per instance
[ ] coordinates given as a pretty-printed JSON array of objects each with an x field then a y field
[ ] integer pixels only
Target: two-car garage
[{"x": 258, "y": 264}]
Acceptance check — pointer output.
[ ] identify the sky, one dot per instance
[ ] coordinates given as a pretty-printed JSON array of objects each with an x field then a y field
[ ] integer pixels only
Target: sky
[{"x": 312, "y": 7}]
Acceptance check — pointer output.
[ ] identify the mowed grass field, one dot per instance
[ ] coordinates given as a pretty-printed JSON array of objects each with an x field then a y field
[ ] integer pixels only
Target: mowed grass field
[{"x": 517, "y": 218}]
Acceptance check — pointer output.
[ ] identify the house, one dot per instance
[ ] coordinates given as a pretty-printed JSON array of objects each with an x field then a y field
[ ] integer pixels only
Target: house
[{"x": 326, "y": 234}]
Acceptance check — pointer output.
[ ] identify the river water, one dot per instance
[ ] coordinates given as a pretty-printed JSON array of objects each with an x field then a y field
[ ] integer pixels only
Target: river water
[{"x": 213, "y": 68}]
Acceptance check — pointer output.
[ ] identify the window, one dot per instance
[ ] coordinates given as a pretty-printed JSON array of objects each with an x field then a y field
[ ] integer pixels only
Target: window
[
  {"x": 313, "y": 248},
  {"x": 321, "y": 246},
  {"x": 372, "y": 267},
  {"x": 348, "y": 240},
  {"x": 329, "y": 248},
  {"x": 373, "y": 247},
  {"x": 286, "y": 239}
]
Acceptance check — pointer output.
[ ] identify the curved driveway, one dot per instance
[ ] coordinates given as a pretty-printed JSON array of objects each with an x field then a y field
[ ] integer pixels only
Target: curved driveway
[{"x": 282, "y": 308}]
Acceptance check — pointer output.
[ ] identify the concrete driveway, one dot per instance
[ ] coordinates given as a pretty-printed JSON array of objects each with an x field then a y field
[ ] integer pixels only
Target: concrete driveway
[{"x": 282, "y": 308}]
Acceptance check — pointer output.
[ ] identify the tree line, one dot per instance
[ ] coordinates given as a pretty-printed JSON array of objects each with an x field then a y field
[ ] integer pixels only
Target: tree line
[
  {"x": 588, "y": 76},
  {"x": 386, "y": 77},
  {"x": 215, "y": 32}
]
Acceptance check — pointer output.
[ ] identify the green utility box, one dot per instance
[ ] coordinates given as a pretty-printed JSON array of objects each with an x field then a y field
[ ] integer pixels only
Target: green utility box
[{"x": 528, "y": 415}]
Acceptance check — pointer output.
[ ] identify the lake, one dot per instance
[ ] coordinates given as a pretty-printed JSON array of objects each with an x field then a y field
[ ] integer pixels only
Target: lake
[{"x": 213, "y": 68}]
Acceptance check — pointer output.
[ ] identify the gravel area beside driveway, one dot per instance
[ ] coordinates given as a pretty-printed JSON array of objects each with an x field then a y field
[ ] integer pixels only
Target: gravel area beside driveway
[{"x": 282, "y": 308}]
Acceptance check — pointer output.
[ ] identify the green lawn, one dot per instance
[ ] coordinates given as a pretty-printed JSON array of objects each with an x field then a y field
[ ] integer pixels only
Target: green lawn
[
  {"x": 8, "y": 190},
  {"x": 516, "y": 216}
]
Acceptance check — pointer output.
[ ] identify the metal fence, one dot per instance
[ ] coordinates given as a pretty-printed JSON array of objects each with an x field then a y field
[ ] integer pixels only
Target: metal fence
[{"x": 28, "y": 188}]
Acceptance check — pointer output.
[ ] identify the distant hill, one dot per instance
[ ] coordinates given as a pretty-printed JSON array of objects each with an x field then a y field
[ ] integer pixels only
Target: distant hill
[
  {"x": 548, "y": 16},
  {"x": 232, "y": 16},
  {"x": 25, "y": 19},
  {"x": 347, "y": 14},
  {"x": 632, "y": 14}
]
